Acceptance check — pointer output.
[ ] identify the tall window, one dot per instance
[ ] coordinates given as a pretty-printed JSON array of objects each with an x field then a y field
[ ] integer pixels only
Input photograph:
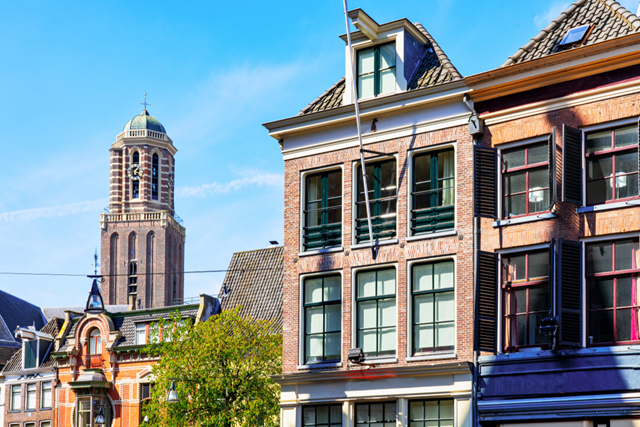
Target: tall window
[
  {"x": 16, "y": 397},
  {"x": 323, "y": 210},
  {"x": 88, "y": 408},
  {"x": 525, "y": 180},
  {"x": 30, "y": 349},
  {"x": 525, "y": 285},
  {"x": 612, "y": 165},
  {"x": 135, "y": 183},
  {"x": 431, "y": 413},
  {"x": 155, "y": 171},
  {"x": 613, "y": 269},
  {"x": 433, "y": 192},
  {"x": 95, "y": 342},
  {"x": 141, "y": 333},
  {"x": 376, "y": 299},
  {"x": 383, "y": 191},
  {"x": 322, "y": 319},
  {"x": 133, "y": 265},
  {"x": 113, "y": 269},
  {"x": 433, "y": 307},
  {"x": 376, "y": 414},
  {"x": 30, "y": 401},
  {"x": 45, "y": 395},
  {"x": 377, "y": 70},
  {"x": 322, "y": 416},
  {"x": 151, "y": 241}
]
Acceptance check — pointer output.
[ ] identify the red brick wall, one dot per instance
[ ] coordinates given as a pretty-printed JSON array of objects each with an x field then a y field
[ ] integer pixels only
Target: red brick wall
[
  {"x": 28, "y": 416},
  {"x": 401, "y": 253}
]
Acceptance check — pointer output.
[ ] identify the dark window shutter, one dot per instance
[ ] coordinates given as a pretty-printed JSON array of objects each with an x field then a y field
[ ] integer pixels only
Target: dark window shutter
[
  {"x": 485, "y": 162},
  {"x": 30, "y": 357},
  {"x": 486, "y": 302},
  {"x": 552, "y": 169},
  {"x": 569, "y": 293},
  {"x": 552, "y": 276},
  {"x": 571, "y": 165},
  {"x": 639, "y": 155}
]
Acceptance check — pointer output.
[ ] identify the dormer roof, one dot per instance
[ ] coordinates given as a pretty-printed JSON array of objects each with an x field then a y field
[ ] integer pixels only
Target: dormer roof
[
  {"x": 50, "y": 330},
  {"x": 607, "y": 19},
  {"x": 434, "y": 69}
]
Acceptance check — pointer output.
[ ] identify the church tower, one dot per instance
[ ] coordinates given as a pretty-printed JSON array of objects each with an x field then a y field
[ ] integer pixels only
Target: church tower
[{"x": 142, "y": 243}]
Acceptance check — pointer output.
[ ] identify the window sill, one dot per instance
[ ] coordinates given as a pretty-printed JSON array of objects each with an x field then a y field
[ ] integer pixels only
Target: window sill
[
  {"x": 377, "y": 360},
  {"x": 524, "y": 219},
  {"x": 434, "y": 356},
  {"x": 379, "y": 243},
  {"x": 320, "y": 366},
  {"x": 608, "y": 206},
  {"x": 432, "y": 235},
  {"x": 321, "y": 251}
]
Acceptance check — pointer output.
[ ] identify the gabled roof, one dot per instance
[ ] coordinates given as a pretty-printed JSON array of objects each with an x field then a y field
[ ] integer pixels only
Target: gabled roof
[
  {"x": 609, "y": 19},
  {"x": 52, "y": 328},
  {"x": 254, "y": 282},
  {"x": 435, "y": 68},
  {"x": 17, "y": 312}
]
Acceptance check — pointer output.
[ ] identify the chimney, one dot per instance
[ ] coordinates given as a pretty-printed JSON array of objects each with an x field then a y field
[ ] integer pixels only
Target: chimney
[{"x": 132, "y": 302}]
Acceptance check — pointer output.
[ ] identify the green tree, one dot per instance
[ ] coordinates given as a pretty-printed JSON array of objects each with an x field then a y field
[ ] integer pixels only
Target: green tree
[{"x": 221, "y": 368}]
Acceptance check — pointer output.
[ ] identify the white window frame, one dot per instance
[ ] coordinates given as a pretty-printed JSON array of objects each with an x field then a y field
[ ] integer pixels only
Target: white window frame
[
  {"x": 45, "y": 421},
  {"x": 354, "y": 311},
  {"x": 302, "y": 328},
  {"x": 42, "y": 390},
  {"x": 37, "y": 353},
  {"x": 368, "y": 45},
  {"x": 500, "y": 322},
  {"x": 411, "y": 173},
  {"x": 26, "y": 396},
  {"x": 355, "y": 179},
  {"x": 409, "y": 339},
  {"x": 303, "y": 198},
  {"x": 11, "y": 407},
  {"x": 144, "y": 327}
]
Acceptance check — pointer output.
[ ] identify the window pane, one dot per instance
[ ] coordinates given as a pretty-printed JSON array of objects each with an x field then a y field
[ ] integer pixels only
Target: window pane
[
  {"x": 367, "y": 284},
  {"x": 314, "y": 320},
  {"x": 599, "y": 191},
  {"x": 626, "y": 136},
  {"x": 626, "y": 186},
  {"x": 515, "y": 182},
  {"x": 625, "y": 250},
  {"x": 365, "y": 86},
  {"x": 390, "y": 411},
  {"x": 387, "y": 282},
  {"x": 515, "y": 205},
  {"x": 313, "y": 289},
  {"x": 535, "y": 337},
  {"x": 445, "y": 307},
  {"x": 375, "y": 414},
  {"x": 514, "y": 268},
  {"x": 362, "y": 413},
  {"x": 367, "y": 341},
  {"x": 314, "y": 348},
  {"x": 415, "y": 411},
  {"x": 627, "y": 163},
  {"x": 443, "y": 275},
  {"x": 445, "y": 164},
  {"x": 387, "y": 312},
  {"x": 423, "y": 336},
  {"x": 366, "y": 61},
  {"x": 309, "y": 416},
  {"x": 538, "y": 153},
  {"x": 314, "y": 188},
  {"x": 446, "y": 409},
  {"x": 445, "y": 336},
  {"x": 322, "y": 414},
  {"x": 601, "y": 326},
  {"x": 521, "y": 300},
  {"x": 538, "y": 265},
  {"x": 141, "y": 334},
  {"x": 422, "y": 277},
  {"x": 332, "y": 317},
  {"x": 422, "y": 170},
  {"x": 423, "y": 309},
  {"x": 513, "y": 159},
  {"x": 388, "y": 178},
  {"x": 539, "y": 178},
  {"x": 522, "y": 329},
  {"x": 623, "y": 325},
  {"x": 388, "y": 340},
  {"x": 388, "y": 81},
  {"x": 599, "y": 141},
  {"x": 367, "y": 314},
  {"x": 335, "y": 183},
  {"x": 332, "y": 346},
  {"x": 624, "y": 290},
  {"x": 332, "y": 288},
  {"x": 539, "y": 298},
  {"x": 600, "y": 167},
  {"x": 431, "y": 409},
  {"x": 599, "y": 258},
  {"x": 336, "y": 414},
  {"x": 387, "y": 55}
]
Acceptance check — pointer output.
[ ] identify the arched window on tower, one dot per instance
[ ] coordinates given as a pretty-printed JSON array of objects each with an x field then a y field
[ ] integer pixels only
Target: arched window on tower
[
  {"x": 113, "y": 270},
  {"x": 151, "y": 243},
  {"x": 133, "y": 265},
  {"x": 155, "y": 171},
  {"x": 134, "y": 174}
]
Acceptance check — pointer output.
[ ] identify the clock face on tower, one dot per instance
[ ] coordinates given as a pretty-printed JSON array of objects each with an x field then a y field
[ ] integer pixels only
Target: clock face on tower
[{"x": 135, "y": 172}]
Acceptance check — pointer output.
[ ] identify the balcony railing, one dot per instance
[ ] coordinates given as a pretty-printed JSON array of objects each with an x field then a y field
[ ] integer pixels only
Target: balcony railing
[
  {"x": 186, "y": 301},
  {"x": 144, "y": 216},
  {"x": 93, "y": 361}
]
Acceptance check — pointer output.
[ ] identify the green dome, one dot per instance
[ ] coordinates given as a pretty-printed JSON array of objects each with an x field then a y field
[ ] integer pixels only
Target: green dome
[{"x": 145, "y": 121}]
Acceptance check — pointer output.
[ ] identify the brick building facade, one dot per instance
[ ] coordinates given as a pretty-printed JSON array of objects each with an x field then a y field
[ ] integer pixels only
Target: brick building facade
[
  {"x": 142, "y": 243},
  {"x": 415, "y": 356}
]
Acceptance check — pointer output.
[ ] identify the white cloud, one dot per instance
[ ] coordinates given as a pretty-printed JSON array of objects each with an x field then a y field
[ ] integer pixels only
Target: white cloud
[
  {"x": 235, "y": 185},
  {"x": 552, "y": 13},
  {"x": 54, "y": 211}
]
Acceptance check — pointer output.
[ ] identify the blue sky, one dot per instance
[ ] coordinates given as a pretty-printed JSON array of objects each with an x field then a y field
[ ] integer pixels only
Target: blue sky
[{"x": 72, "y": 74}]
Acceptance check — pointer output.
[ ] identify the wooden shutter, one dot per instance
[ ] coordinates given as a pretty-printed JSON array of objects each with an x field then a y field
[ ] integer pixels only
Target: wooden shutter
[
  {"x": 569, "y": 293},
  {"x": 485, "y": 166},
  {"x": 552, "y": 169},
  {"x": 552, "y": 277},
  {"x": 486, "y": 302},
  {"x": 571, "y": 165}
]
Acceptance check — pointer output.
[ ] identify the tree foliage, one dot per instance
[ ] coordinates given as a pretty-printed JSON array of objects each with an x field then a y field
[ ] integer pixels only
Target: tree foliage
[{"x": 222, "y": 371}]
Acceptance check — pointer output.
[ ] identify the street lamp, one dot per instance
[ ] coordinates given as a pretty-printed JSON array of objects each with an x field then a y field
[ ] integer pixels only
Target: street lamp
[
  {"x": 100, "y": 417},
  {"x": 172, "y": 396}
]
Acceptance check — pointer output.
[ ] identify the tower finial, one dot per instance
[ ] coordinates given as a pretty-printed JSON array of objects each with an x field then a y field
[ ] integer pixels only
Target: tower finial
[
  {"x": 95, "y": 263},
  {"x": 145, "y": 101}
]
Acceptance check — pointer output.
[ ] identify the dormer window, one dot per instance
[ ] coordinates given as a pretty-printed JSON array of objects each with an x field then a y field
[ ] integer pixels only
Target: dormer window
[
  {"x": 576, "y": 36},
  {"x": 95, "y": 342},
  {"x": 377, "y": 70},
  {"x": 30, "y": 349}
]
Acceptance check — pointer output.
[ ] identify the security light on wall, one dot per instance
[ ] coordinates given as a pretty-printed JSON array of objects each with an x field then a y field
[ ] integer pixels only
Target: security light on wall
[{"x": 356, "y": 355}]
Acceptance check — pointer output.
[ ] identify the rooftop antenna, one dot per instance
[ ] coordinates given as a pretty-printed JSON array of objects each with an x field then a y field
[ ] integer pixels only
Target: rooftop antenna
[
  {"x": 145, "y": 101},
  {"x": 355, "y": 96}
]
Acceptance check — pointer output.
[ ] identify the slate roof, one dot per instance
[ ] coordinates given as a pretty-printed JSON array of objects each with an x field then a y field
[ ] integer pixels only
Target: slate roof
[
  {"x": 609, "y": 18},
  {"x": 254, "y": 282},
  {"x": 18, "y": 312},
  {"x": 5, "y": 355},
  {"x": 51, "y": 312},
  {"x": 52, "y": 328},
  {"x": 434, "y": 69}
]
